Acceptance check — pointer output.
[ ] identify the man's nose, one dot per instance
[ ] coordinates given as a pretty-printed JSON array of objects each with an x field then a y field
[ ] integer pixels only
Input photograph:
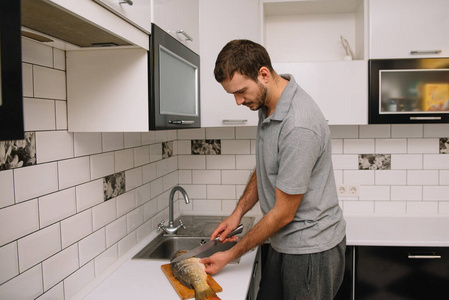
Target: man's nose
[{"x": 239, "y": 99}]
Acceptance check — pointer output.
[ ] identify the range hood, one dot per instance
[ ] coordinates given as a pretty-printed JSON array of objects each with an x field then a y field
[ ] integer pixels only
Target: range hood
[{"x": 55, "y": 21}]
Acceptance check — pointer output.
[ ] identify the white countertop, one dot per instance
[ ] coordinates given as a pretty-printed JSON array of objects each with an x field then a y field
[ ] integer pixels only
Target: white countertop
[{"x": 144, "y": 279}]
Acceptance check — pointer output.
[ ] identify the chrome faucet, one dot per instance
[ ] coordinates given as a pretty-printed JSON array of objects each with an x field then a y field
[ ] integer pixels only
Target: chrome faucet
[{"x": 171, "y": 229}]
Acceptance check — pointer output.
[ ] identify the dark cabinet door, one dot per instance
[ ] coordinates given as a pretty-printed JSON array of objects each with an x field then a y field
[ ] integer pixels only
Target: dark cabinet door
[
  {"x": 346, "y": 289},
  {"x": 11, "y": 110},
  {"x": 401, "y": 273}
]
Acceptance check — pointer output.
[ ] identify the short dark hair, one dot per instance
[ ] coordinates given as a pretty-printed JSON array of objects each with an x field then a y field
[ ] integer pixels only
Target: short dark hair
[{"x": 243, "y": 56}]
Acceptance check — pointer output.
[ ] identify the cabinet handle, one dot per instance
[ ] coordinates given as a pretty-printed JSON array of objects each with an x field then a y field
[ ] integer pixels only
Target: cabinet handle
[
  {"x": 181, "y": 122},
  {"x": 424, "y": 256},
  {"x": 188, "y": 37},
  {"x": 417, "y": 52},
  {"x": 234, "y": 121},
  {"x": 255, "y": 269},
  {"x": 129, "y": 2}
]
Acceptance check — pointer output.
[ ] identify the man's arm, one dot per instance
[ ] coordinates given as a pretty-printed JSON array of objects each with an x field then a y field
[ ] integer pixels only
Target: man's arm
[{"x": 282, "y": 214}]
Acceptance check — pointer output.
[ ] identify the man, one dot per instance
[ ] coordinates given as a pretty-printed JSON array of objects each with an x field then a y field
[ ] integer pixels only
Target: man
[{"x": 293, "y": 182}]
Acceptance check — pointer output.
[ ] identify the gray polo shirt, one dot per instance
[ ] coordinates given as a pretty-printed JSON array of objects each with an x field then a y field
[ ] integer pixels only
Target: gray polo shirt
[{"x": 293, "y": 152}]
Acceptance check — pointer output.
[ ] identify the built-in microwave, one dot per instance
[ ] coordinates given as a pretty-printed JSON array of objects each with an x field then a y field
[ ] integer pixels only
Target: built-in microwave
[
  {"x": 174, "y": 83},
  {"x": 408, "y": 91}
]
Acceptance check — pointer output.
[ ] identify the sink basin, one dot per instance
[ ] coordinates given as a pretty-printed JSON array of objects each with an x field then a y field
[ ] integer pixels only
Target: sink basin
[
  {"x": 165, "y": 247},
  {"x": 199, "y": 229}
]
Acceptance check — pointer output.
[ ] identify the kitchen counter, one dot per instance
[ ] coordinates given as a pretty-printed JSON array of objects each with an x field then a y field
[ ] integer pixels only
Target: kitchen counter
[{"x": 144, "y": 279}]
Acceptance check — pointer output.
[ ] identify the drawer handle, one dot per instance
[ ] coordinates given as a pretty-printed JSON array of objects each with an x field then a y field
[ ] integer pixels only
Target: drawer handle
[
  {"x": 424, "y": 256},
  {"x": 234, "y": 121},
  {"x": 188, "y": 37},
  {"x": 417, "y": 52},
  {"x": 129, "y": 2}
]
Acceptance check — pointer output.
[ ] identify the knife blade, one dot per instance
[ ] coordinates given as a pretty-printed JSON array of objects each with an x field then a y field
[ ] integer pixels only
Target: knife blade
[{"x": 206, "y": 246}]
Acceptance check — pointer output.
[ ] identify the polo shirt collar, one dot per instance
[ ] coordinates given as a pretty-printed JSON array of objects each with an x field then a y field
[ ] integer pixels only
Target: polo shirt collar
[{"x": 284, "y": 102}]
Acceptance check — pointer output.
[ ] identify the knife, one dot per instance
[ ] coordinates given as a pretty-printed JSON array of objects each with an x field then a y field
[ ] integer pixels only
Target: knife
[{"x": 206, "y": 246}]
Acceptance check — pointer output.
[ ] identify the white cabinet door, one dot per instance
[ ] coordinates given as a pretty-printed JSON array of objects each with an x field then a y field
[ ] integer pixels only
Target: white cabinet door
[
  {"x": 399, "y": 27},
  {"x": 103, "y": 18},
  {"x": 107, "y": 90},
  {"x": 339, "y": 88},
  {"x": 137, "y": 12},
  {"x": 180, "y": 18},
  {"x": 221, "y": 22}
]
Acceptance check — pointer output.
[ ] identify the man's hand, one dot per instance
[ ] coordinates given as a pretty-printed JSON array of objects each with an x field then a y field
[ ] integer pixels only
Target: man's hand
[
  {"x": 217, "y": 261},
  {"x": 225, "y": 228}
]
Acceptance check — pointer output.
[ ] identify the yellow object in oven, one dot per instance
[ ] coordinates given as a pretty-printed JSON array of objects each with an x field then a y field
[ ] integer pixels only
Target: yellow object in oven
[{"x": 434, "y": 96}]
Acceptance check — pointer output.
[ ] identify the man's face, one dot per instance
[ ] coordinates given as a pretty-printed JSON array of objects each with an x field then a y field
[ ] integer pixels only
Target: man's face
[{"x": 246, "y": 91}]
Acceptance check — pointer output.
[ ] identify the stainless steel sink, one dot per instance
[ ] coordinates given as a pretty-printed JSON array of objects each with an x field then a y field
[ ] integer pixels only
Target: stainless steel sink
[{"x": 199, "y": 229}]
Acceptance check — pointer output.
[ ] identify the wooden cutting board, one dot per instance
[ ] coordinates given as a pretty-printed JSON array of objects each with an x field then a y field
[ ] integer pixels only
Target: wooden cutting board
[{"x": 182, "y": 290}]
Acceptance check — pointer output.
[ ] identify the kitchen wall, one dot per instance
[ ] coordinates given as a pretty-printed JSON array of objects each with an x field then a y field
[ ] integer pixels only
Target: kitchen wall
[{"x": 72, "y": 204}]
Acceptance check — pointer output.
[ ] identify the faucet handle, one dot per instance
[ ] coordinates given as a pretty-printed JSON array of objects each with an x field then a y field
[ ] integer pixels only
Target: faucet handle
[
  {"x": 160, "y": 225},
  {"x": 182, "y": 224}
]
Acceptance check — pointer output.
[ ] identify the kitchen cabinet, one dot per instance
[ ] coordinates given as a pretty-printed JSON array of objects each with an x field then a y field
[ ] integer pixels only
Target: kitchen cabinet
[
  {"x": 221, "y": 22},
  {"x": 82, "y": 23},
  {"x": 346, "y": 291},
  {"x": 256, "y": 276},
  {"x": 180, "y": 18},
  {"x": 408, "y": 29},
  {"x": 340, "y": 88},
  {"x": 393, "y": 273},
  {"x": 136, "y": 12},
  {"x": 107, "y": 90}
]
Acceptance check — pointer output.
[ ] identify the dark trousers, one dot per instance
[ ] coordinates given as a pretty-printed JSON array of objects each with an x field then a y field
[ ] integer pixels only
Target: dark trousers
[{"x": 315, "y": 276}]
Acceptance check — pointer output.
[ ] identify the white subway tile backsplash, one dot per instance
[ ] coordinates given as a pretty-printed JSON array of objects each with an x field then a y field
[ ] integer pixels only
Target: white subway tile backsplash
[
  {"x": 27, "y": 285},
  {"x": 148, "y": 137},
  {"x": 18, "y": 220},
  {"x": 92, "y": 245},
  {"x": 245, "y": 132},
  {"x": 113, "y": 141},
  {"x": 36, "y": 53},
  {"x": 358, "y": 207},
  {"x": 220, "y": 191},
  {"x": 374, "y": 131},
  {"x": 76, "y": 228},
  {"x": 206, "y": 177},
  {"x": 345, "y": 162},
  {"x": 61, "y": 115},
  {"x": 337, "y": 146},
  {"x": 436, "y": 193},
  {"x": 156, "y": 187},
  {"x": 192, "y": 134},
  {"x": 406, "y": 161},
  {"x": 406, "y": 193},
  {"x": 58, "y": 59},
  {"x": 102, "y": 165},
  {"x": 106, "y": 259},
  {"x": 444, "y": 177},
  {"x": 377, "y": 192},
  {"x": 155, "y": 152},
  {"x": 220, "y": 133},
  {"x": 358, "y": 146},
  {"x": 38, "y": 246},
  {"x": 391, "y": 177},
  {"x": 424, "y": 177},
  {"x": 344, "y": 131},
  {"x": 388, "y": 207},
  {"x": 184, "y": 147},
  {"x": 55, "y": 293},
  {"x": 192, "y": 162},
  {"x": 391, "y": 146},
  {"x": 116, "y": 231},
  {"x": 247, "y": 162},
  {"x": 235, "y": 147},
  {"x": 53, "y": 145},
  {"x": 6, "y": 188},
  {"x": 27, "y": 80},
  {"x": 124, "y": 160},
  {"x": 125, "y": 203},
  {"x": 162, "y": 168},
  {"x": 150, "y": 209},
  {"x": 436, "y": 130},
  {"x": 207, "y": 205},
  {"x": 423, "y": 145},
  {"x": 220, "y": 161},
  {"x": 133, "y": 178},
  {"x": 87, "y": 143},
  {"x": 235, "y": 176},
  {"x": 133, "y": 139},
  {"x": 149, "y": 172},
  {"x": 407, "y": 130},
  {"x": 125, "y": 244},
  {"x": 104, "y": 213},
  {"x": 143, "y": 194},
  {"x": 422, "y": 208},
  {"x": 360, "y": 177},
  {"x": 8, "y": 262},
  {"x": 60, "y": 265},
  {"x": 89, "y": 194},
  {"x": 39, "y": 114},
  {"x": 436, "y": 161},
  {"x": 35, "y": 181},
  {"x": 141, "y": 156},
  {"x": 49, "y": 83},
  {"x": 79, "y": 279},
  {"x": 73, "y": 171},
  {"x": 57, "y": 206},
  {"x": 135, "y": 218}
]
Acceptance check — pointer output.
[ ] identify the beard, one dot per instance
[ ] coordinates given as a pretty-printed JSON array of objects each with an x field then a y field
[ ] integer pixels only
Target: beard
[{"x": 261, "y": 97}]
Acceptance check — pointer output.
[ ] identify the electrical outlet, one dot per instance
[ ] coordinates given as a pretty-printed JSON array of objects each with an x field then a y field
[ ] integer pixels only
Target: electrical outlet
[
  {"x": 353, "y": 190},
  {"x": 348, "y": 190},
  {"x": 342, "y": 190}
]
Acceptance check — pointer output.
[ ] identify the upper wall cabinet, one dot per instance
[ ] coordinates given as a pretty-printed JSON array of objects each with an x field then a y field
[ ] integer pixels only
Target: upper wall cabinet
[
  {"x": 221, "y": 22},
  {"x": 408, "y": 29},
  {"x": 180, "y": 18},
  {"x": 83, "y": 23}
]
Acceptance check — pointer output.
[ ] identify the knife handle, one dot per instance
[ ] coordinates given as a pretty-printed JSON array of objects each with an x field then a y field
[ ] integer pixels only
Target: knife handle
[{"x": 238, "y": 230}]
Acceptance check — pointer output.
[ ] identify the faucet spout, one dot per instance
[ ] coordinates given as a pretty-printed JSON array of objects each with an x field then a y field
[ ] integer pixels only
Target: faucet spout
[{"x": 171, "y": 229}]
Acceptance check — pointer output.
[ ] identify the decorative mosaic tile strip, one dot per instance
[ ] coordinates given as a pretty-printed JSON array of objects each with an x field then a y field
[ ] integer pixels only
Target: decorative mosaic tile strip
[
  {"x": 18, "y": 153},
  {"x": 114, "y": 185},
  {"x": 374, "y": 161},
  {"x": 167, "y": 149},
  {"x": 444, "y": 145},
  {"x": 206, "y": 147}
]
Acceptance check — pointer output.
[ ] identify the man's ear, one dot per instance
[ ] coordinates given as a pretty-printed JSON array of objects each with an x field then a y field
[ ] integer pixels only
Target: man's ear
[{"x": 264, "y": 74}]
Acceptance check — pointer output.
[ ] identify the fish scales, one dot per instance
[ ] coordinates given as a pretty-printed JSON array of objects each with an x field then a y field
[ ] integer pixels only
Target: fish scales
[{"x": 191, "y": 273}]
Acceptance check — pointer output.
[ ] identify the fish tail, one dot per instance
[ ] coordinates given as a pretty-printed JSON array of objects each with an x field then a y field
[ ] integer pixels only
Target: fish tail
[{"x": 206, "y": 294}]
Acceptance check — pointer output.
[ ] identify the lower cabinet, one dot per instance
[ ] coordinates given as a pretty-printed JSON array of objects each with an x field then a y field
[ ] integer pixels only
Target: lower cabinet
[
  {"x": 346, "y": 291},
  {"x": 400, "y": 273}
]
